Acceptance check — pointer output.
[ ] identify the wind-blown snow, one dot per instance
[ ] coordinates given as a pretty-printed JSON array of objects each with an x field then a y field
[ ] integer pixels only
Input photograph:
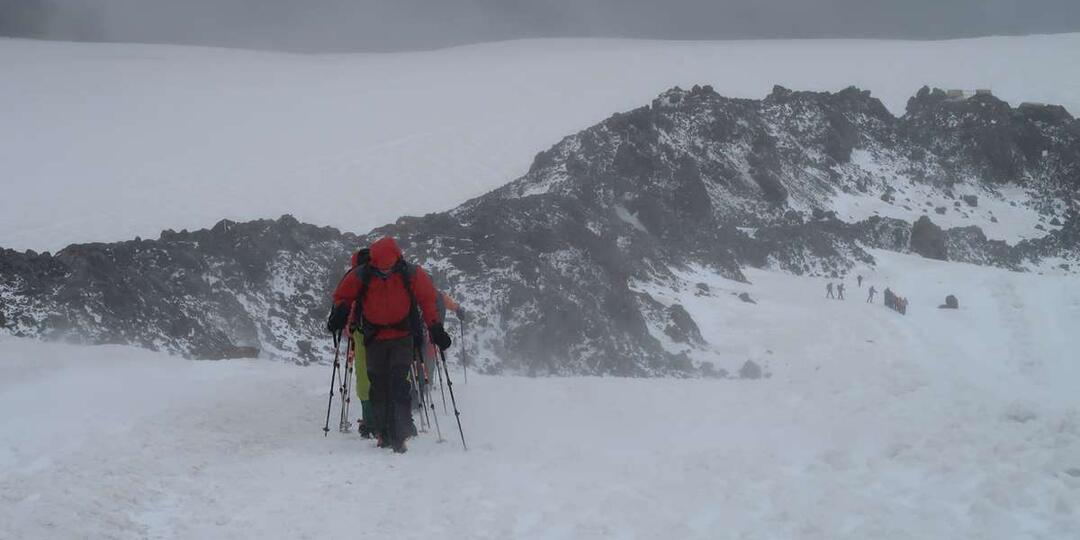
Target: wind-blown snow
[
  {"x": 106, "y": 142},
  {"x": 867, "y": 424}
]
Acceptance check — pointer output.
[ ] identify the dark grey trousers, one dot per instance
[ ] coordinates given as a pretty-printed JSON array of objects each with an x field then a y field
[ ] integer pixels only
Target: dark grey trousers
[{"x": 388, "y": 368}]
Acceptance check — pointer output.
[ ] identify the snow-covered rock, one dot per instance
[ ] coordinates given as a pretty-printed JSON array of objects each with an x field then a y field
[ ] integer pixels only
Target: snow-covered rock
[{"x": 570, "y": 268}]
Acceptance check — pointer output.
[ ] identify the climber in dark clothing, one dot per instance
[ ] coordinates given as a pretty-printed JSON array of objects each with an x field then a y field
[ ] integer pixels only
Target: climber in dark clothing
[
  {"x": 870, "y": 299},
  {"x": 828, "y": 290}
]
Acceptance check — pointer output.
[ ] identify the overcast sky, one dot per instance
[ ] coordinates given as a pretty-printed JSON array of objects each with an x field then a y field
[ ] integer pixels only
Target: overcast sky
[{"x": 369, "y": 25}]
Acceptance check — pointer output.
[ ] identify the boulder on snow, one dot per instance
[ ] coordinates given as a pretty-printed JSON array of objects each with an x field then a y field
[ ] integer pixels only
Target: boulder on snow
[
  {"x": 928, "y": 240},
  {"x": 950, "y": 303},
  {"x": 1055, "y": 222},
  {"x": 940, "y": 210},
  {"x": 971, "y": 200},
  {"x": 750, "y": 370},
  {"x": 745, "y": 297},
  {"x": 1019, "y": 412},
  {"x": 682, "y": 328}
]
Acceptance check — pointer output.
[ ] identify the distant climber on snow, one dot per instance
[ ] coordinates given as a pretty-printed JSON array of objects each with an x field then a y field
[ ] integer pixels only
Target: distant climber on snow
[
  {"x": 870, "y": 298},
  {"x": 828, "y": 290},
  {"x": 840, "y": 291},
  {"x": 858, "y": 278}
]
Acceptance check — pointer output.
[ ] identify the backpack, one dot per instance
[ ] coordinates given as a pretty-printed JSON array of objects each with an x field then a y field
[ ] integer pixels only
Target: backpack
[{"x": 411, "y": 323}]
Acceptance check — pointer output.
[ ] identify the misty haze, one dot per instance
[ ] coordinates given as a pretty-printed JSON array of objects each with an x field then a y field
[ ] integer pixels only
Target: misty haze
[
  {"x": 366, "y": 25},
  {"x": 539, "y": 269}
]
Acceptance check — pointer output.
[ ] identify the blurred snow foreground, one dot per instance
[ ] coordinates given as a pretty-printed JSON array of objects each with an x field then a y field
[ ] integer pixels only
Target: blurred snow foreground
[{"x": 864, "y": 424}]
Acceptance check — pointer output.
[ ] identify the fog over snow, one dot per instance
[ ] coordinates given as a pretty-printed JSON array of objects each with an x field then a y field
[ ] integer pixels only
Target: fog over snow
[{"x": 108, "y": 142}]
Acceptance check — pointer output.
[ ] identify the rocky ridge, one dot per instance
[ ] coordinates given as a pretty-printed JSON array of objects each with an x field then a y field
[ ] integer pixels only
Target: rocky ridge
[{"x": 557, "y": 266}]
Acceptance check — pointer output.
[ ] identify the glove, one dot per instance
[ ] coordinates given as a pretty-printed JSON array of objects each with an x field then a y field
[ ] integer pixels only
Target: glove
[
  {"x": 439, "y": 337},
  {"x": 461, "y": 314},
  {"x": 338, "y": 317}
]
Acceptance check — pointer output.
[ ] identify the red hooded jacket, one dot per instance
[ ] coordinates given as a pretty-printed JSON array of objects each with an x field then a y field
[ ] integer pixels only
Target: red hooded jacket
[{"x": 386, "y": 301}]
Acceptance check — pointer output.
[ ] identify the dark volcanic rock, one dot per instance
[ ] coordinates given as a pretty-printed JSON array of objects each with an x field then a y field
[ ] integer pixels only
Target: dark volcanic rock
[
  {"x": 750, "y": 370},
  {"x": 222, "y": 293},
  {"x": 682, "y": 328},
  {"x": 928, "y": 240},
  {"x": 950, "y": 303}
]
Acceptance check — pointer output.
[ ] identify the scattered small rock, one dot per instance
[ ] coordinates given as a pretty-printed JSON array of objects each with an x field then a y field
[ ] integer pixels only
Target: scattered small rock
[
  {"x": 750, "y": 370},
  {"x": 950, "y": 303},
  {"x": 971, "y": 200},
  {"x": 993, "y": 219},
  {"x": 1019, "y": 412},
  {"x": 1074, "y": 472},
  {"x": 940, "y": 210},
  {"x": 703, "y": 289},
  {"x": 1039, "y": 227},
  {"x": 1055, "y": 222},
  {"x": 745, "y": 297}
]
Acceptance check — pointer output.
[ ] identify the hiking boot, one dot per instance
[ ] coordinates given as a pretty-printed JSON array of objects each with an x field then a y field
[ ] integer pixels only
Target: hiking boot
[
  {"x": 364, "y": 431},
  {"x": 400, "y": 448},
  {"x": 381, "y": 442}
]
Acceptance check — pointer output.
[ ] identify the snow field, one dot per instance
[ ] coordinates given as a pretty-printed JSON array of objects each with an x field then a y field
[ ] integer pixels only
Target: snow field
[
  {"x": 105, "y": 142},
  {"x": 940, "y": 424}
]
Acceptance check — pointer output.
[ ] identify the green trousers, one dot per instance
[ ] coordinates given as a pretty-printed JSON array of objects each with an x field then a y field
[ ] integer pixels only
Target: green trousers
[{"x": 363, "y": 383}]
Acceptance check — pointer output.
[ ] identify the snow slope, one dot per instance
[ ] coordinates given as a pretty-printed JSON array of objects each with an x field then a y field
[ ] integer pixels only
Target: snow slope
[
  {"x": 106, "y": 142},
  {"x": 940, "y": 424}
]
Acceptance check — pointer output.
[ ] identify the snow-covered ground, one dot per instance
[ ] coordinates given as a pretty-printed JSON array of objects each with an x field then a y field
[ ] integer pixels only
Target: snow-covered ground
[
  {"x": 938, "y": 424},
  {"x": 105, "y": 142},
  {"x": 1003, "y": 214}
]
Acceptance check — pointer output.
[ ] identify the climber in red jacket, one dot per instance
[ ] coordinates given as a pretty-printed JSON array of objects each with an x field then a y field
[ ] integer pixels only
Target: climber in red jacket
[{"x": 391, "y": 301}]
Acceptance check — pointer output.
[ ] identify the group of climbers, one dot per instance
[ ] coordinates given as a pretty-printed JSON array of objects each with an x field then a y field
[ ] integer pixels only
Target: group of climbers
[
  {"x": 839, "y": 291},
  {"x": 393, "y": 316},
  {"x": 892, "y": 301}
]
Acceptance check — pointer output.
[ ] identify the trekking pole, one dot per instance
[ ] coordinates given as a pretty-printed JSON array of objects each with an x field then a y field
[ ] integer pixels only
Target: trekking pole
[
  {"x": 434, "y": 413},
  {"x": 464, "y": 354},
  {"x": 450, "y": 385},
  {"x": 346, "y": 390},
  {"x": 441, "y": 389},
  {"x": 421, "y": 391},
  {"x": 333, "y": 377},
  {"x": 416, "y": 388}
]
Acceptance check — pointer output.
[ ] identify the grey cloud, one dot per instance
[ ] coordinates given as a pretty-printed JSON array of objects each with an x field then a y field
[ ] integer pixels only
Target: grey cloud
[{"x": 363, "y": 25}]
